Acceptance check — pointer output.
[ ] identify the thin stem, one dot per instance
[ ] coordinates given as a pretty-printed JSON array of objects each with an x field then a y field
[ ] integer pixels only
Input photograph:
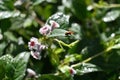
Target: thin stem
[
  {"x": 92, "y": 57},
  {"x": 61, "y": 46},
  {"x": 106, "y": 6},
  {"x": 39, "y": 21}
]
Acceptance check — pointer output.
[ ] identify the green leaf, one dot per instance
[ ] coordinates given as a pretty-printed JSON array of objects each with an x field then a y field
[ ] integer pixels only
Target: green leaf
[
  {"x": 6, "y": 67},
  {"x": 111, "y": 16},
  {"x": 72, "y": 58},
  {"x": 2, "y": 47},
  {"x": 57, "y": 33},
  {"x": 7, "y": 24},
  {"x": 10, "y": 36},
  {"x": 49, "y": 77},
  {"x": 9, "y": 14},
  {"x": 60, "y": 18},
  {"x": 7, "y": 4},
  {"x": 28, "y": 22},
  {"x": 117, "y": 46},
  {"x": 86, "y": 68},
  {"x": 76, "y": 28},
  {"x": 54, "y": 59},
  {"x": 67, "y": 3},
  {"x": 37, "y": 2},
  {"x": 64, "y": 68},
  {"x": 20, "y": 64}
]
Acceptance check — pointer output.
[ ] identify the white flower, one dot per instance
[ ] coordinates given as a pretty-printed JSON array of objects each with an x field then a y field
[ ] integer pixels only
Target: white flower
[
  {"x": 54, "y": 24},
  {"x": 36, "y": 48},
  {"x": 36, "y": 55},
  {"x": 45, "y": 30},
  {"x": 33, "y": 43}
]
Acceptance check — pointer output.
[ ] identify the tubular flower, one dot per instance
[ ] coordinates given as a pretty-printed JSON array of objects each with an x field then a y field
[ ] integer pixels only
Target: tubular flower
[
  {"x": 45, "y": 30},
  {"x": 36, "y": 48}
]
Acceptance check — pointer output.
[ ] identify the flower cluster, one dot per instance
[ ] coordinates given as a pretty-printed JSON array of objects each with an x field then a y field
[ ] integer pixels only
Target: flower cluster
[
  {"x": 36, "y": 47},
  {"x": 46, "y": 29}
]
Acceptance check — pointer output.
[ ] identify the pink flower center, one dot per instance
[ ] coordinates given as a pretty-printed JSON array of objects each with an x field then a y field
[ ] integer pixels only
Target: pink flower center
[{"x": 32, "y": 43}]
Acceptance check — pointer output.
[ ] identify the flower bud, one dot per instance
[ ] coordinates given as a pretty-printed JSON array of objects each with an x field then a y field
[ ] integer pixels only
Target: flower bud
[
  {"x": 36, "y": 55},
  {"x": 31, "y": 73}
]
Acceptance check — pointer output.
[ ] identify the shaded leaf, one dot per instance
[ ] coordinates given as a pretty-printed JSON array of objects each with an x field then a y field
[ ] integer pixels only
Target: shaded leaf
[
  {"x": 79, "y": 8},
  {"x": 20, "y": 64},
  {"x": 49, "y": 77}
]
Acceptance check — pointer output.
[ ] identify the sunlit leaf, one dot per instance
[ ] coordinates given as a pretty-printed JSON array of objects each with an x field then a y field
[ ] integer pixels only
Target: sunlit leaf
[
  {"x": 57, "y": 33},
  {"x": 111, "y": 16},
  {"x": 117, "y": 46},
  {"x": 6, "y": 67},
  {"x": 86, "y": 68},
  {"x": 8, "y": 14},
  {"x": 60, "y": 18}
]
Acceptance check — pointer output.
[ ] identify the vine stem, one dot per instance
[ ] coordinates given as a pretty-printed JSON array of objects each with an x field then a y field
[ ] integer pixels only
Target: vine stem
[
  {"x": 107, "y": 6},
  {"x": 90, "y": 58}
]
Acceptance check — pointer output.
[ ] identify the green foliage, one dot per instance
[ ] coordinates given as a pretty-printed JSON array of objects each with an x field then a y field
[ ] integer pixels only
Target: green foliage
[
  {"x": 13, "y": 68},
  {"x": 88, "y": 39}
]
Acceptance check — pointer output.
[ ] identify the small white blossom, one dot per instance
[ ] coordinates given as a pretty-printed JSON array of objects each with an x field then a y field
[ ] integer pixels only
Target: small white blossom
[{"x": 33, "y": 43}]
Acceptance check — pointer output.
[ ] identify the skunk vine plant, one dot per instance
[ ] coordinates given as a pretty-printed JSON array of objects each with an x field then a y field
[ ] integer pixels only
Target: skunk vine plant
[
  {"x": 59, "y": 39},
  {"x": 55, "y": 30}
]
